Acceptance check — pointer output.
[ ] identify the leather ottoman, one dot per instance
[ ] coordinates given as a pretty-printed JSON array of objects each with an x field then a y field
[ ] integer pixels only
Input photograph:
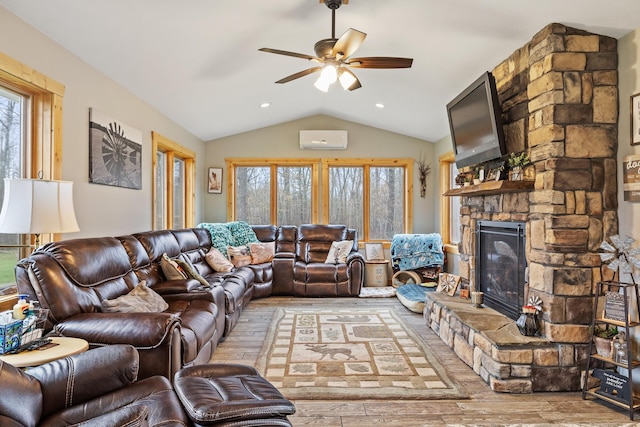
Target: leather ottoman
[{"x": 230, "y": 395}]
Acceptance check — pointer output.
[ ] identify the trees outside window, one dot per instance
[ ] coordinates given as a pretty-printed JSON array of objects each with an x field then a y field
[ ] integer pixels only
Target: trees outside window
[
  {"x": 13, "y": 145},
  {"x": 370, "y": 195},
  {"x": 277, "y": 191}
]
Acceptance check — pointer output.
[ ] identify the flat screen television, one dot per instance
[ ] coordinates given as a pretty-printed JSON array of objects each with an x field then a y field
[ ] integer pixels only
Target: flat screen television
[{"x": 475, "y": 121}]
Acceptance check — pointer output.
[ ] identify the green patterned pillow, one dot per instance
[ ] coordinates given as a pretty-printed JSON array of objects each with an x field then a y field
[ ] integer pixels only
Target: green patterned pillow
[
  {"x": 220, "y": 235},
  {"x": 241, "y": 233}
]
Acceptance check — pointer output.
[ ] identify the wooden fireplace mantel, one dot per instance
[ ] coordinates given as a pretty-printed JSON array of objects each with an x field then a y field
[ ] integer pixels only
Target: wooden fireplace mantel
[{"x": 491, "y": 187}]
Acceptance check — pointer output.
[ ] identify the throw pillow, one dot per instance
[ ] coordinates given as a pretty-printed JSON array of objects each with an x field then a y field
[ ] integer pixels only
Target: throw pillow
[
  {"x": 171, "y": 269},
  {"x": 241, "y": 233},
  {"x": 218, "y": 261},
  {"x": 141, "y": 299},
  {"x": 339, "y": 251},
  {"x": 262, "y": 252},
  {"x": 191, "y": 272},
  {"x": 239, "y": 255}
]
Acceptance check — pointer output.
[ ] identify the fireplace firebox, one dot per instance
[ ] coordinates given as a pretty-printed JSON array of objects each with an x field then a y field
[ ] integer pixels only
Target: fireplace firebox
[{"x": 501, "y": 264}]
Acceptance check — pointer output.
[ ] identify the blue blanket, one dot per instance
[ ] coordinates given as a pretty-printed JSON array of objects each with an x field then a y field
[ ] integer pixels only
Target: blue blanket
[{"x": 411, "y": 251}]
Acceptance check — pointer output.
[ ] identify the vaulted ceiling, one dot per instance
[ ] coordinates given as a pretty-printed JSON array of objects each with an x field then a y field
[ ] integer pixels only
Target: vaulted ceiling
[{"x": 198, "y": 62}]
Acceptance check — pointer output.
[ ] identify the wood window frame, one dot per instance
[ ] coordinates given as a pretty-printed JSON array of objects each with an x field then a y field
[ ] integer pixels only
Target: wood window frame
[
  {"x": 45, "y": 133},
  {"x": 445, "y": 161},
  {"x": 172, "y": 149},
  {"x": 273, "y": 164},
  {"x": 366, "y": 164}
]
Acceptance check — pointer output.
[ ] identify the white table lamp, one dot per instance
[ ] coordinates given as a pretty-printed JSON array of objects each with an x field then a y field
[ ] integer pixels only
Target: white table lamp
[{"x": 36, "y": 206}]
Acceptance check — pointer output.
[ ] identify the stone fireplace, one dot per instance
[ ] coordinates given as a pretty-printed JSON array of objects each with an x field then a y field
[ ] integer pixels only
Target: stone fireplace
[{"x": 559, "y": 99}]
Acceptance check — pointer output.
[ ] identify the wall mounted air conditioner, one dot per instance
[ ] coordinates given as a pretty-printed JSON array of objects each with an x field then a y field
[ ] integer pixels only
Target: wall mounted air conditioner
[{"x": 323, "y": 139}]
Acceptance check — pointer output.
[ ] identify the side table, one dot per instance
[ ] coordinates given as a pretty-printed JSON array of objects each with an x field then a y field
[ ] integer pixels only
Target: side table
[{"x": 65, "y": 347}]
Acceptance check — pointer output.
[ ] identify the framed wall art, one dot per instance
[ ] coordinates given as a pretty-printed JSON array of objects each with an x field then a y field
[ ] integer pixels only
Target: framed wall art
[
  {"x": 635, "y": 119},
  {"x": 115, "y": 152},
  {"x": 214, "y": 181},
  {"x": 373, "y": 251}
]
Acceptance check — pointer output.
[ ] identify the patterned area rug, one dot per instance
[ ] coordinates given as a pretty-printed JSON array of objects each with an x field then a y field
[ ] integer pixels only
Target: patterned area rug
[{"x": 353, "y": 354}]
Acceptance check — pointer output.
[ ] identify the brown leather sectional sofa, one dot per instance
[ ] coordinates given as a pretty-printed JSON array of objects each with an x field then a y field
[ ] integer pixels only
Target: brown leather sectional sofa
[{"x": 72, "y": 277}]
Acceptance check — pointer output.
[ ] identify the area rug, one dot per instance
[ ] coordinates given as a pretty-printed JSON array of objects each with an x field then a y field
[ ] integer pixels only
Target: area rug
[{"x": 351, "y": 354}]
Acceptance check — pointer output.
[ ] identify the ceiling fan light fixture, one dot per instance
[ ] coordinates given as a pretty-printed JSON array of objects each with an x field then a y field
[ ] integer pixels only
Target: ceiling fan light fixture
[
  {"x": 347, "y": 78},
  {"x": 328, "y": 76},
  {"x": 322, "y": 85}
]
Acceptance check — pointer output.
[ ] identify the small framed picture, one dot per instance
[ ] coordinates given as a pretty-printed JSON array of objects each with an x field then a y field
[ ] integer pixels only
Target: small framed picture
[
  {"x": 635, "y": 119},
  {"x": 373, "y": 251},
  {"x": 214, "y": 181}
]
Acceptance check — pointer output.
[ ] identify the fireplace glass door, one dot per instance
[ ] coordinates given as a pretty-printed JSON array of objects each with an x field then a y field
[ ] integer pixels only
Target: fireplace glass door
[{"x": 501, "y": 264}]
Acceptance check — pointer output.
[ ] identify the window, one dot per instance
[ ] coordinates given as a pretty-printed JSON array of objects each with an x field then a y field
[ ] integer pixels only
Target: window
[
  {"x": 14, "y": 150},
  {"x": 450, "y": 206},
  {"x": 370, "y": 195},
  {"x": 30, "y": 146},
  {"x": 276, "y": 191},
  {"x": 173, "y": 184}
]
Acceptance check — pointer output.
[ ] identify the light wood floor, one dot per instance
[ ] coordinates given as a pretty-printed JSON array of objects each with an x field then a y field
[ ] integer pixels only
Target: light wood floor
[{"x": 484, "y": 407}]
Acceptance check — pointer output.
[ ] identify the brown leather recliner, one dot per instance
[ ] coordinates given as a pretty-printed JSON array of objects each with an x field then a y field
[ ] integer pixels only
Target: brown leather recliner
[
  {"x": 97, "y": 387},
  {"x": 100, "y": 388},
  {"x": 312, "y": 276}
]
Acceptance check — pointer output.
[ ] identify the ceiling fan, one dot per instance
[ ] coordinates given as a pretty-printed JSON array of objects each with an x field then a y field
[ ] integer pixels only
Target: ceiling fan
[{"x": 334, "y": 56}]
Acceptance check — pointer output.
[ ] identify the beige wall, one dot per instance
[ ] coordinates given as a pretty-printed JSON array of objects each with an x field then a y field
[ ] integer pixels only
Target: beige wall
[
  {"x": 101, "y": 210},
  {"x": 628, "y": 84},
  {"x": 364, "y": 142}
]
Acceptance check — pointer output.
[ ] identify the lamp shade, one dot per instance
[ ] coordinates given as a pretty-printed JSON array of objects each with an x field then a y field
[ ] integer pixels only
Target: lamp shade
[{"x": 37, "y": 206}]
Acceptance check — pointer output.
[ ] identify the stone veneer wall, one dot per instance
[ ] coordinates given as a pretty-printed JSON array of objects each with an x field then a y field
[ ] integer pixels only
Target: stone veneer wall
[{"x": 560, "y": 103}]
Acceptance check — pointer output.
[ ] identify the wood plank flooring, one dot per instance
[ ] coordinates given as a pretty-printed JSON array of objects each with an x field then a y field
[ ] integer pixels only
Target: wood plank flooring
[{"x": 484, "y": 407}]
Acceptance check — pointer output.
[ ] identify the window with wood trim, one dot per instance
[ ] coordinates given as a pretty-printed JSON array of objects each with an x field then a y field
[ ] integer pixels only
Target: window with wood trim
[
  {"x": 30, "y": 147},
  {"x": 273, "y": 191},
  {"x": 374, "y": 196},
  {"x": 173, "y": 184},
  {"x": 449, "y": 206}
]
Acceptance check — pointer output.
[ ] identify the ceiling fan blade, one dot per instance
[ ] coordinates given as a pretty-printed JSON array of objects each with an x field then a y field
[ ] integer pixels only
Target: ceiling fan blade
[
  {"x": 348, "y": 43},
  {"x": 287, "y": 53},
  {"x": 299, "y": 74},
  {"x": 380, "y": 62}
]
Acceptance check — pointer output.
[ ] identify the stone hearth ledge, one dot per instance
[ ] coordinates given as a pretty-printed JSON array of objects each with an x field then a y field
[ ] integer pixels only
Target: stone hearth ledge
[{"x": 492, "y": 345}]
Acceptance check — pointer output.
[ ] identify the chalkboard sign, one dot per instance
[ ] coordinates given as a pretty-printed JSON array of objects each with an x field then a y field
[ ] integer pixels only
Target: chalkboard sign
[
  {"x": 613, "y": 385},
  {"x": 631, "y": 178},
  {"x": 614, "y": 306}
]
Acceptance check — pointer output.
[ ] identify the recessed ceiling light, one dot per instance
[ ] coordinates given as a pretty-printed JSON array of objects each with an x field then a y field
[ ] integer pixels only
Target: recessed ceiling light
[
  {"x": 265, "y": 105},
  {"x": 379, "y": 105}
]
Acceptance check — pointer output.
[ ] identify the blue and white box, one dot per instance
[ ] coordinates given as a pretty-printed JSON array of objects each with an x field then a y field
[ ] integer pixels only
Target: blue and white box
[{"x": 10, "y": 334}]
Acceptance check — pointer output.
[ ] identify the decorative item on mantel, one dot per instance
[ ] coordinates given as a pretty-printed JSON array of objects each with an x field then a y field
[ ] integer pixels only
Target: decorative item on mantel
[
  {"x": 528, "y": 322},
  {"x": 517, "y": 162},
  {"x": 424, "y": 170}
]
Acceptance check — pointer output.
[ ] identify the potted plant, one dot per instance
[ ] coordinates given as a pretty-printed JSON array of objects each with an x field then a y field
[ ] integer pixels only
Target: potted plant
[
  {"x": 476, "y": 177},
  {"x": 516, "y": 163},
  {"x": 603, "y": 340}
]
